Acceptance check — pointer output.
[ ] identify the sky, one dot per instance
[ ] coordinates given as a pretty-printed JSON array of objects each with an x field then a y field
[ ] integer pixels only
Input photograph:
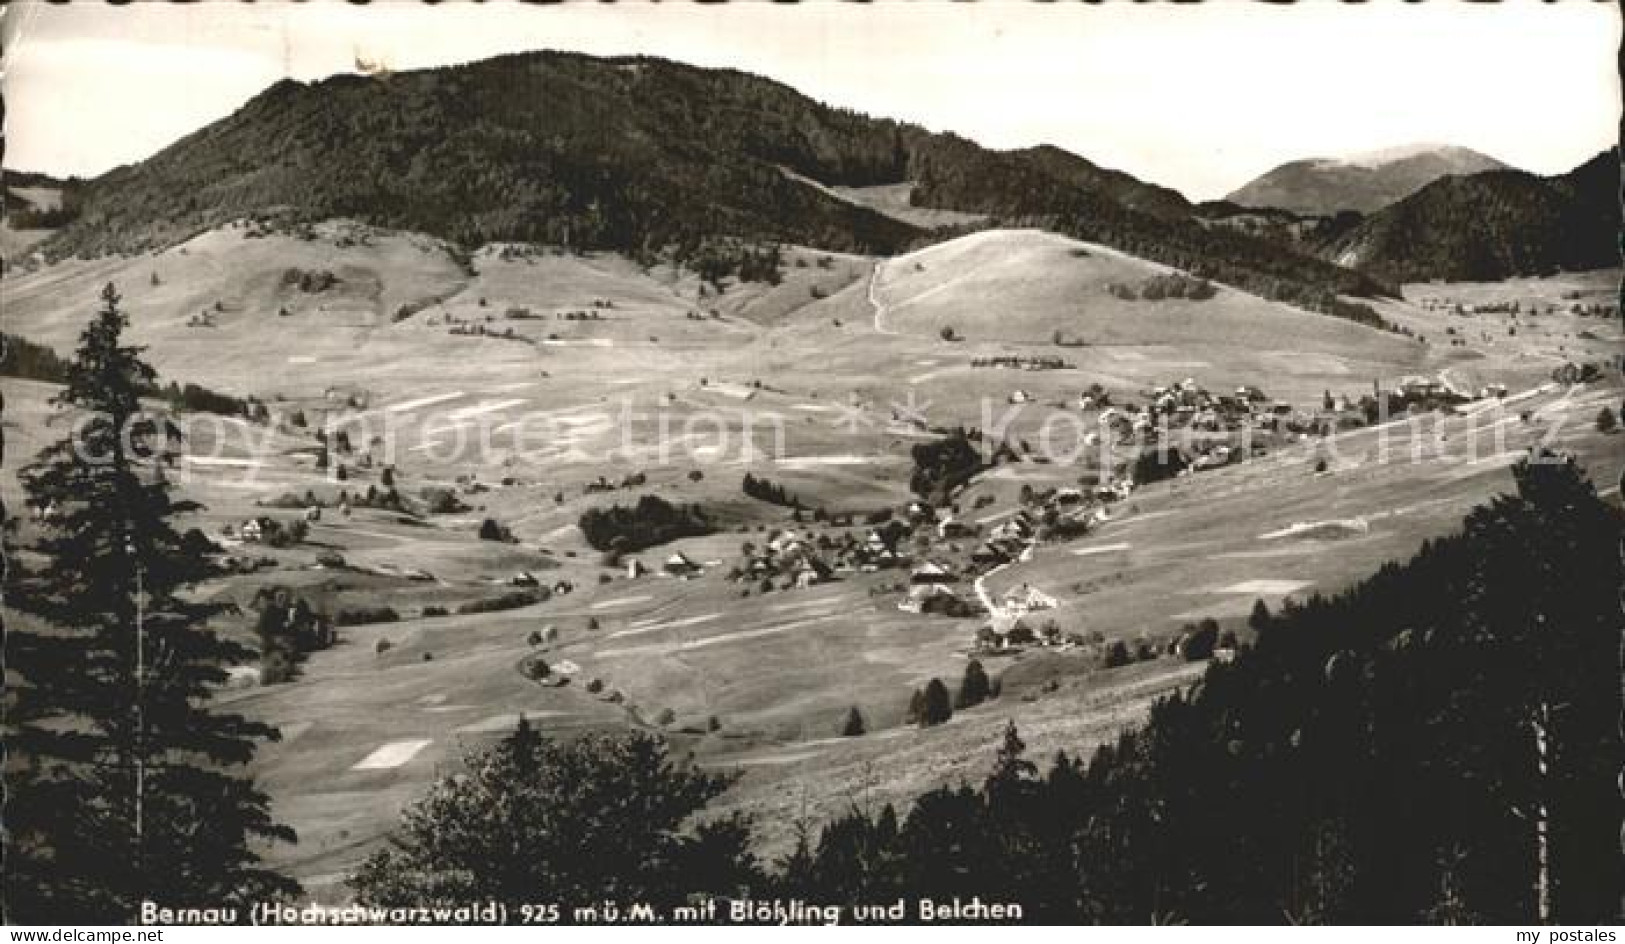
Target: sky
[{"x": 1199, "y": 98}]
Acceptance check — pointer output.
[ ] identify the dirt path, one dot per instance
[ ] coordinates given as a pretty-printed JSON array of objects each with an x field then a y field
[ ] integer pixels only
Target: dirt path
[{"x": 876, "y": 303}]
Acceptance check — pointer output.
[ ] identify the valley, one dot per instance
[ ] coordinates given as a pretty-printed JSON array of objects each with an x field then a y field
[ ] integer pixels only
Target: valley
[{"x": 526, "y": 386}]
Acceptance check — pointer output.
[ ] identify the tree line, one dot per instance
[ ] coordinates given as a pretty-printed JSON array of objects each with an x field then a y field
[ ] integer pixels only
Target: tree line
[{"x": 20, "y": 357}]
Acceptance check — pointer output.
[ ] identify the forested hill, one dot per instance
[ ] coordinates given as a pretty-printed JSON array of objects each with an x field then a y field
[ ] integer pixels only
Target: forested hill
[
  {"x": 554, "y": 148},
  {"x": 632, "y": 154},
  {"x": 1492, "y": 225}
]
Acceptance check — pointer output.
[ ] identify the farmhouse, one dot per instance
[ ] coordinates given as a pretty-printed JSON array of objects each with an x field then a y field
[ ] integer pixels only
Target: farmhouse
[
  {"x": 1026, "y": 599},
  {"x": 936, "y": 599},
  {"x": 1418, "y": 386},
  {"x": 679, "y": 565},
  {"x": 931, "y": 572}
]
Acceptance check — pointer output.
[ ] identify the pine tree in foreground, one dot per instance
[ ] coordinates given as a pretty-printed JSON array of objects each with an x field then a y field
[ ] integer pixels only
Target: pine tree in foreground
[
  {"x": 121, "y": 786},
  {"x": 600, "y": 819}
]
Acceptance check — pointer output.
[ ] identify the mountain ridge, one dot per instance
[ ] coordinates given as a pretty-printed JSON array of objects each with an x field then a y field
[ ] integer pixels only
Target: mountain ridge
[{"x": 1364, "y": 182}]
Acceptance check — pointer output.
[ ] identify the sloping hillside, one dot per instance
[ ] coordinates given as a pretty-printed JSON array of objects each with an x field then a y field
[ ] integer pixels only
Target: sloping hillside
[
  {"x": 1325, "y": 186},
  {"x": 1031, "y": 287},
  {"x": 1491, "y": 226}
]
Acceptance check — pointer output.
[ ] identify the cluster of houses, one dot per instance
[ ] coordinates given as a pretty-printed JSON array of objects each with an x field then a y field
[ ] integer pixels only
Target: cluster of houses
[
  {"x": 264, "y": 529},
  {"x": 1007, "y": 626}
]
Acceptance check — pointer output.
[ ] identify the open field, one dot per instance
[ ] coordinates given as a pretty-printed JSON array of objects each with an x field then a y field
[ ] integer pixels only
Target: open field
[{"x": 820, "y": 384}]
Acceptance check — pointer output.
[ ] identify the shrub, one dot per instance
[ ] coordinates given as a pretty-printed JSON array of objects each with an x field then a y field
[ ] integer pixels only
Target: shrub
[
  {"x": 975, "y": 687},
  {"x": 853, "y": 725},
  {"x": 1117, "y": 654},
  {"x": 490, "y": 530},
  {"x": 507, "y": 601},
  {"x": 363, "y": 615},
  {"x": 382, "y": 646},
  {"x": 442, "y": 501},
  {"x": 935, "y": 707},
  {"x": 433, "y": 611},
  {"x": 1199, "y": 641}
]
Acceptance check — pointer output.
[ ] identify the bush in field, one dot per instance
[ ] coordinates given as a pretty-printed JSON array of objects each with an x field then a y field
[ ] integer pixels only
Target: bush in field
[
  {"x": 916, "y": 707},
  {"x": 491, "y": 530},
  {"x": 1176, "y": 285},
  {"x": 507, "y": 601},
  {"x": 975, "y": 687},
  {"x": 1199, "y": 641},
  {"x": 363, "y": 615},
  {"x": 935, "y": 705},
  {"x": 651, "y": 521},
  {"x": 853, "y": 725}
]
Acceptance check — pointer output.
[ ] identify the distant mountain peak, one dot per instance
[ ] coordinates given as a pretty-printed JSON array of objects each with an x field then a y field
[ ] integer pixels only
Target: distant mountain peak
[
  {"x": 1365, "y": 182},
  {"x": 1381, "y": 157}
]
